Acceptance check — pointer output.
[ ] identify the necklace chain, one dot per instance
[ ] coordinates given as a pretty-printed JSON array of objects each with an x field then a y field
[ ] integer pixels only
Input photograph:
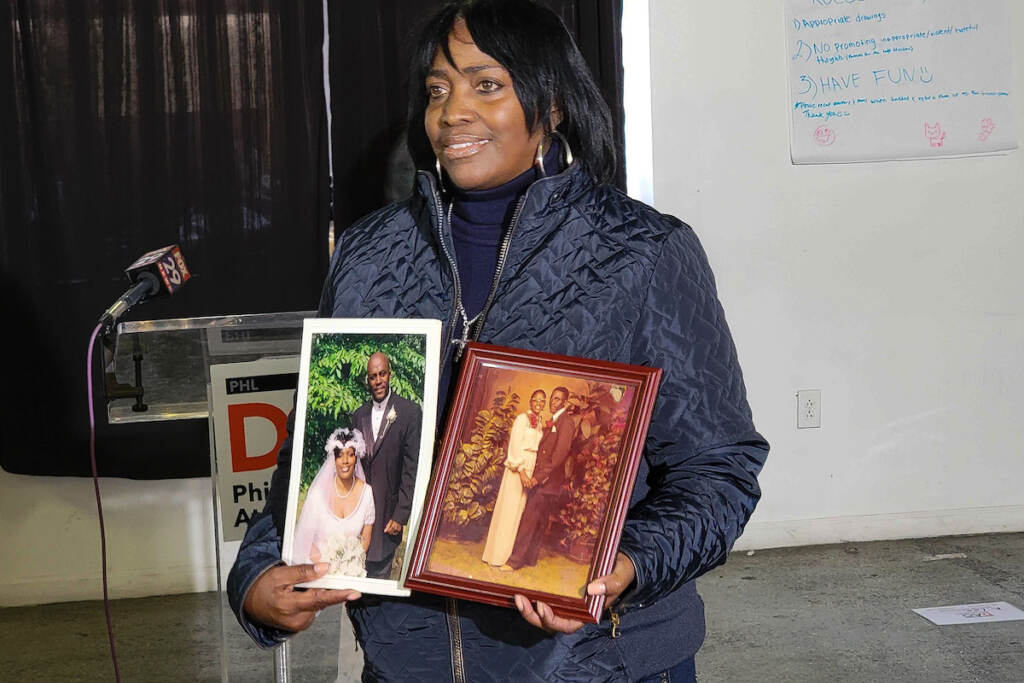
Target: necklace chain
[
  {"x": 466, "y": 320},
  {"x": 337, "y": 491}
]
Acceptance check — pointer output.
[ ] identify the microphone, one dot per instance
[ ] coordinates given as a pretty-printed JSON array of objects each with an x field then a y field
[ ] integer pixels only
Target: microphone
[{"x": 160, "y": 272}]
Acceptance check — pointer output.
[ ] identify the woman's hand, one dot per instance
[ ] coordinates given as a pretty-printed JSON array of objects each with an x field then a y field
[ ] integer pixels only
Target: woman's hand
[
  {"x": 611, "y": 586},
  {"x": 541, "y": 616},
  {"x": 272, "y": 599}
]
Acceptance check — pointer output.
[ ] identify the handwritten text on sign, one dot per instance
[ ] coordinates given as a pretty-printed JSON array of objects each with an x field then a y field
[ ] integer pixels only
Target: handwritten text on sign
[{"x": 898, "y": 79}]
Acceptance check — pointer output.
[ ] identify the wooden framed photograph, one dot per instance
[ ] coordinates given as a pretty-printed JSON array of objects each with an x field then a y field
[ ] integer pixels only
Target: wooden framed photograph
[
  {"x": 533, "y": 479},
  {"x": 365, "y": 412}
]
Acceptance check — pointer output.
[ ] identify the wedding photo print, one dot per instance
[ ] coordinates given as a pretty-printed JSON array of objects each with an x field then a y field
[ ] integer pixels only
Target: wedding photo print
[
  {"x": 533, "y": 479},
  {"x": 366, "y": 403}
]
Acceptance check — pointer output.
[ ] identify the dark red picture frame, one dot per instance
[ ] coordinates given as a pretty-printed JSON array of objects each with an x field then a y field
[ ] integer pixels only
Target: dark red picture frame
[{"x": 630, "y": 429}]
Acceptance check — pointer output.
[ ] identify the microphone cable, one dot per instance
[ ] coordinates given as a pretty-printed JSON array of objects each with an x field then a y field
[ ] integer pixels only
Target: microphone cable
[{"x": 99, "y": 505}]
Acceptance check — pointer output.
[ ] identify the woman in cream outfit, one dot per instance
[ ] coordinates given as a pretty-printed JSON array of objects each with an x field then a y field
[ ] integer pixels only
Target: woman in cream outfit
[{"x": 522, "y": 456}]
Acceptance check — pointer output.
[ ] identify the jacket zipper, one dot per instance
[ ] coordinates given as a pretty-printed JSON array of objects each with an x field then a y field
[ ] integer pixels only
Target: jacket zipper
[
  {"x": 451, "y": 609},
  {"x": 454, "y": 627},
  {"x": 478, "y": 324},
  {"x": 473, "y": 333},
  {"x": 451, "y": 606},
  {"x": 457, "y": 301},
  {"x": 455, "y": 630}
]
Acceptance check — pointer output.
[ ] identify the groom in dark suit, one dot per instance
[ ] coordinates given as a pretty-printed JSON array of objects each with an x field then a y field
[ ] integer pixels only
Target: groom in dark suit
[
  {"x": 391, "y": 427},
  {"x": 545, "y": 485}
]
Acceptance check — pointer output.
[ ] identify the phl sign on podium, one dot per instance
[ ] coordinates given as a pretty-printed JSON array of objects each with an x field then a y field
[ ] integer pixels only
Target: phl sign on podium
[{"x": 249, "y": 404}]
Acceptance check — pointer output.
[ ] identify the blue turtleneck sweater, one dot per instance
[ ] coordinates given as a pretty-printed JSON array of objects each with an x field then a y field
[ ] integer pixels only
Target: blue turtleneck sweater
[{"x": 479, "y": 220}]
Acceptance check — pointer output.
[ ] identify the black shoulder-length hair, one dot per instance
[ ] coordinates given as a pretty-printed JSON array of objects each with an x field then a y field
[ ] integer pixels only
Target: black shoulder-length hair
[{"x": 546, "y": 67}]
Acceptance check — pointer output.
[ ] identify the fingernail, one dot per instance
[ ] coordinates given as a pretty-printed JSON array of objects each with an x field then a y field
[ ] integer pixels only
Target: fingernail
[
  {"x": 320, "y": 567},
  {"x": 519, "y": 605}
]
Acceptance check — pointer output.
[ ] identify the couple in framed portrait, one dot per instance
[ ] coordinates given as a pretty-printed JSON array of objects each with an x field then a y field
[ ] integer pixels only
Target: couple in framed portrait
[
  {"x": 366, "y": 400},
  {"x": 539, "y": 495},
  {"x": 360, "y": 501},
  {"x": 534, "y": 472}
]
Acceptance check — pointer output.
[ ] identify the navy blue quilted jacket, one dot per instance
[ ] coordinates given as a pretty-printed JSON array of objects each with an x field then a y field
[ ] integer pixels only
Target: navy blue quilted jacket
[{"x": 588, "y": 272}]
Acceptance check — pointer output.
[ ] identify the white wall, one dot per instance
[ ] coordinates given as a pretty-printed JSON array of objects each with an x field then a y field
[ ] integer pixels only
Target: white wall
[
  {"x": 895, "y": 288},
  {"x": 159, "y": 538}
]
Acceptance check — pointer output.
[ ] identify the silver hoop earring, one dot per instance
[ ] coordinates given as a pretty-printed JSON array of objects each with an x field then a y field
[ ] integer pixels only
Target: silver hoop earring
[
  {"x": 565, "y": 147},
  {"x": 538, "y": 159},
  {"x": 440, "y": 181}
]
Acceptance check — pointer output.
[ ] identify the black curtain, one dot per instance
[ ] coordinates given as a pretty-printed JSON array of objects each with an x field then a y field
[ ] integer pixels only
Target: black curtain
[
  {"x": 370, "y": 48},
  {"x": 128, "y": 125}
]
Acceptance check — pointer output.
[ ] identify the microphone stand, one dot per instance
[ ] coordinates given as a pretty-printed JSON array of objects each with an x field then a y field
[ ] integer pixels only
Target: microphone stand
[
  {"x": 112, "y": 388},
  {"x": 146, "y": 286}
]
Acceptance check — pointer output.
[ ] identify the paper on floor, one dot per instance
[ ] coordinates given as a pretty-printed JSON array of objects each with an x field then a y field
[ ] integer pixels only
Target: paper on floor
[{"x": 971, "y": 614}]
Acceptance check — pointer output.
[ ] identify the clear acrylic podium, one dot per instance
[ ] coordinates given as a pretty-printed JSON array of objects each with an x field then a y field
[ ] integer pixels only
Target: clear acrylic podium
[{"x": 160, "y": 370}]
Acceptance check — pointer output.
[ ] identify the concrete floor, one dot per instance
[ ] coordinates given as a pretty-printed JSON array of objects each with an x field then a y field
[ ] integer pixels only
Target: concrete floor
[
  {"x": 842, "y": 613},
  {"x": 821, "y": 613}
]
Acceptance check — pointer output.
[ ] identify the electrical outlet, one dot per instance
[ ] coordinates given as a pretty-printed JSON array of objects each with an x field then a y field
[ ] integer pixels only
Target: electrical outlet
[{"x": 808, "y": 408}]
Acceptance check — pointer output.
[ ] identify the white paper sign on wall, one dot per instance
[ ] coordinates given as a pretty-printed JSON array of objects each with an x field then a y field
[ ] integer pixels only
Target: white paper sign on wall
[{"x": 874, "y": 80}]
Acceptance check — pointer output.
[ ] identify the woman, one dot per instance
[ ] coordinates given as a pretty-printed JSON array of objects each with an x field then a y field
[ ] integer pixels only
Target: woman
[
  {"x": 523, "y": 440},
  {"x": 514, "y": 237},
  {"x": 337, "y": 517}
]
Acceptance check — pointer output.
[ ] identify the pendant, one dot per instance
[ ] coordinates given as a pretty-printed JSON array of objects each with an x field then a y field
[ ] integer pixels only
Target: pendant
[{"x": 464, "y": 338}]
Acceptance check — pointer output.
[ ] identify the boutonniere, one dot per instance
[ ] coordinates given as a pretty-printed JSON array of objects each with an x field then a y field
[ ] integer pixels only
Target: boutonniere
[{"x": 390, "y": 417}]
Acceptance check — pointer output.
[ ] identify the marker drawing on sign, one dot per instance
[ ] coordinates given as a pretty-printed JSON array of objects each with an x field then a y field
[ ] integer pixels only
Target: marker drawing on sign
[
  {"x": 824, "y": 136},
  {"x": 935, "y": 134},
  {"x": 986, "y": 129}
]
